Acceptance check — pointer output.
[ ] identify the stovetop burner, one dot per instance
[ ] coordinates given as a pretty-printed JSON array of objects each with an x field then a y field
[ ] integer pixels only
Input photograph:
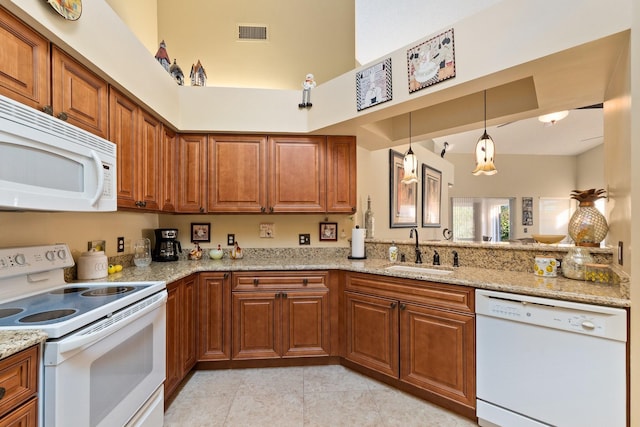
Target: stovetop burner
[
  {"x": 69, "y": 290},
  {"x": 109, "y": 290},
  {"x": 6, "y": 312},
  {"x": 45, "y": 316}
]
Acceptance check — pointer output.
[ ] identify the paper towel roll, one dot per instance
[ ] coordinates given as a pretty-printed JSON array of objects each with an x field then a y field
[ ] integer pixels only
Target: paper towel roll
[{"x": 357, "y": 242}]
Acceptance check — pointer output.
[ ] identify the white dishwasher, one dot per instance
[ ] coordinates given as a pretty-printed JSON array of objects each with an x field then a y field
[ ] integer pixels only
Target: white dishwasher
[{"x": 543, "y": 362}]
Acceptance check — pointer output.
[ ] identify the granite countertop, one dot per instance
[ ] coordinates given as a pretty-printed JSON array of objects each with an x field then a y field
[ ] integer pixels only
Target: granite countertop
[
  {"x": 12, "y": 342},
  {"x": 499, "y": 280}
]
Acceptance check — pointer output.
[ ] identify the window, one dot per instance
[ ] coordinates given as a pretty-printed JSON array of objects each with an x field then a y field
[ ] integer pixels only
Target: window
[{"x": 482, "y": 218}]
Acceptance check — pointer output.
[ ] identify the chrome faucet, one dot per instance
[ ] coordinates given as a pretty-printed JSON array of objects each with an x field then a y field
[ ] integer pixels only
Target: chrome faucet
[{"x": 418, "y": 253}]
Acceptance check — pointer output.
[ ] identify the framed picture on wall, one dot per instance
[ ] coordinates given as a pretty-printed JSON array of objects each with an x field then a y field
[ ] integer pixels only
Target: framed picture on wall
[
  {"x": 200, "y": 232},
  {"x": 431, "y": 61},
  {"x": 431, "y": 196},
  {"x": 374, "y": 85},
  {"x": 328, "y": 231},
  {"x": 403, "y": 198},
  {"x": 527, "y": 211}
]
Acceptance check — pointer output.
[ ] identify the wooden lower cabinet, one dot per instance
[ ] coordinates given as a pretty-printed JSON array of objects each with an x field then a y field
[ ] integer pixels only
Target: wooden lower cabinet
[
  {"x": 214, "y": 312},
  {"x": 272, "y": 322},
  {"x": 402, "y": 333},
  {"x": 19, "y": 385},
  {"x": 181, "y": 331}
]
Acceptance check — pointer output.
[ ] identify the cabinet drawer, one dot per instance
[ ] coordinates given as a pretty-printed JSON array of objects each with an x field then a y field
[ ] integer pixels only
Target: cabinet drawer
[
  {"x": 452, "y": 297},
  {"x": 251, "y": 281},
  {"x": 18, "y": 378},
  {"x": 24, "y": 416}
]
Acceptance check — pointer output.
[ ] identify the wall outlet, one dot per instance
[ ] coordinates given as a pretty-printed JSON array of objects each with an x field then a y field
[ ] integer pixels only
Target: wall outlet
[
  {"x": 231, "y": 239},
  {"x": 304, "y": 239},
  {"x": 120, "y": 245},
  {"x": 620, "y": 253},
  {"x": 267, "y": 230}
]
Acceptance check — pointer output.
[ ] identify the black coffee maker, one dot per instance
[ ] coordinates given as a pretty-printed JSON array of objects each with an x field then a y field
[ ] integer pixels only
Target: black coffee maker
[{"x": 167, "y": 245}]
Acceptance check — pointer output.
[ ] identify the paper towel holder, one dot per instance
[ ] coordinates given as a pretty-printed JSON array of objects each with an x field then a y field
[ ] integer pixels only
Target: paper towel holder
[{"x": 365, "y": 250}]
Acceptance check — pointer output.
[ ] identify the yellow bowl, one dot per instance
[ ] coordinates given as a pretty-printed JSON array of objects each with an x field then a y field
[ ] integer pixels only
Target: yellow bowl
[{"x": 548, "y": 238}]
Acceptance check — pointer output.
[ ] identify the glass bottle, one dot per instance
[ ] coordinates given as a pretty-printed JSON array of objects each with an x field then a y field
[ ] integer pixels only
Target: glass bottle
[
  {"x": 574, "y": 261},
  {"x": 369, "y": 221}
]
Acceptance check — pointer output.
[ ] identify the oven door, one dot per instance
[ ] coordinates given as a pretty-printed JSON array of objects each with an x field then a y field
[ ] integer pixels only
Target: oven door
[{"x": 104, "y": 374}]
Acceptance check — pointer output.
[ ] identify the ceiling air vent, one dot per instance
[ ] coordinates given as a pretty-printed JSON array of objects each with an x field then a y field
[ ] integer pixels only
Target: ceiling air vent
[{"x": 252, "y": 32}]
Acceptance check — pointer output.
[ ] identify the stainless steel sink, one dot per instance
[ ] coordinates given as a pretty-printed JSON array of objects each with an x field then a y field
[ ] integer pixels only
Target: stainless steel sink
[{"x": 419, "y": 270}]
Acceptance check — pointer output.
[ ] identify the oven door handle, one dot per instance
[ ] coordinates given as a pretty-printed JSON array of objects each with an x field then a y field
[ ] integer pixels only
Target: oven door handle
[{"x": 112, "y": 324}]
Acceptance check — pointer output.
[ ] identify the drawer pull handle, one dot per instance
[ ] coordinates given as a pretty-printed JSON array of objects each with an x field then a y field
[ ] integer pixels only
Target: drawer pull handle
[
  {"x": 2, "y": 392},
  {"x": 255, "y": 282},
  {"x": 305, "y": 282}
]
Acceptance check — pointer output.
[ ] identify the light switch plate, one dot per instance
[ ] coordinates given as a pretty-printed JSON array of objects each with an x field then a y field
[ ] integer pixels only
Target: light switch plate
[
  {"x": 267, "y": 230},
  {"x": 304, "y": 239}
]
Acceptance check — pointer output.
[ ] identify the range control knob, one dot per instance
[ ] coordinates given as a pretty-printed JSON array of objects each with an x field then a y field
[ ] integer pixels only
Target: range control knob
[
  {"x": 62, "y": 254},
  {"x": 50, "y": 255},
  {"x": 19, "y": 259}
]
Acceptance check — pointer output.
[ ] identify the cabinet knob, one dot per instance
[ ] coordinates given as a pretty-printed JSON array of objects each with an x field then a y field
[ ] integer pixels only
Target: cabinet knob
[
  {"x": 394, "y": 304},
  {"x": 305, "y": 282},
  {"x": 201, "y": 209},
  {"x": 263, "y": 209},
  {"x": 271, "y": 209},
  {"x": 283, "y": 295},
  {"x": 255, "y": 282},
  {"x": 48, "y": 109},
  {"x": 403, "y": 306},
  {"x": 2, "y": 392},
  {"x": 63, "y": 116},
  {"x": 353, "y": 209}
]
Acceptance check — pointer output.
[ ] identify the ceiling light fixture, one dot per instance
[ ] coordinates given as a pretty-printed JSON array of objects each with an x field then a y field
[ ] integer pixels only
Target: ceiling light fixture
[
  {"x": 485, "y": 150},
  {"x": 410, "y": 162},
  {"x": 551, "y": 119}
]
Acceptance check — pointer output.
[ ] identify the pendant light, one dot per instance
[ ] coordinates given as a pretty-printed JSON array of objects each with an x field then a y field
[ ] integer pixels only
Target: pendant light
[
  {"x": 485, "y": 150},
  {"x": 410, "y": 163}
]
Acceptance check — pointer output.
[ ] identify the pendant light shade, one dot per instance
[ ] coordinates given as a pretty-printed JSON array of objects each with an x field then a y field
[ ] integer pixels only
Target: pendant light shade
[
  {"x": 485, "y": 150},
  {"x": 410, "y": 163}
]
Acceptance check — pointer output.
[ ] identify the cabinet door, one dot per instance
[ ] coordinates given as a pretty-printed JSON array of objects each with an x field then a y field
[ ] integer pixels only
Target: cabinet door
[
  {"x": 123, "y": 131},
  {"x": 79, "y": 95},
  {"x": 148, "y": 168},
  {"x": 188, "y": 312},
  {"x": 192, "y": 173},
  {"x": 297, "y": 174},
  {"x": 174, "y": 362},
  {"x": 237, "y": 173},
  {"x": 24, "y": 69},
  {"x": 214, "y": 295},
  {"x": 169, "y": 169},
  {"x": 437, "y": 352},
  {"x": 372, "y": 332},
  {"x": 256, "y": 325},
  {"x": 305, "y": 324},
  {"x": 341, "y": 174},
  {"x": 24, "y": 416}
]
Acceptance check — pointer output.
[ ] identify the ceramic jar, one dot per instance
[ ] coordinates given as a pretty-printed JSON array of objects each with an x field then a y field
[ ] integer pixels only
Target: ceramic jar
[{"x": 573, "y": 263}]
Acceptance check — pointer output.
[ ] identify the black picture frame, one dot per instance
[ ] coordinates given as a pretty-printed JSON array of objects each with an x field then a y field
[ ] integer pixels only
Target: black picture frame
[
  {"x": 328, "y": 232},
  {"x": 200, "y": 232},
  {"x": 431, "y": 196},
  {"x": 403, "y": 198}
]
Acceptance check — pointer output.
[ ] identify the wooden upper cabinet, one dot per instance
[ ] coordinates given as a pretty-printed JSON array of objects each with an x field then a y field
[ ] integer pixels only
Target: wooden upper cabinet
[
  {"x": 123, "y": 130},
  {"x": 169, "y": 174},
  {"x": 148, "y": 166},
  {"x": 24, "y": 68},
  {"x": 78, "y": 96},
  {"x": 138, "y": 136},
  {"x": 297, "y": 180},
  {"x": 237, "y": 173},
  {"x": 341, "y": 174},
  {"x": 192, "y": 173}
]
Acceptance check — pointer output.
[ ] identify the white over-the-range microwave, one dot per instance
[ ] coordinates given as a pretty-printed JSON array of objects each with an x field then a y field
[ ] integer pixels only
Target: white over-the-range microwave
[{"x": 47, "y": 164}]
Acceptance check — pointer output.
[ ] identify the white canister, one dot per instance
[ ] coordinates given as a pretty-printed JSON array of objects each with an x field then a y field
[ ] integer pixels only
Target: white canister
[
  {"x": 546, "y": 266},
  {"x": 393, "y": 252},
  {"x": 92, "y": 265}
]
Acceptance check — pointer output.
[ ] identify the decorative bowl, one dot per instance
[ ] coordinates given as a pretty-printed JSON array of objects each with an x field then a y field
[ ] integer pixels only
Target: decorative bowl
[
  {"x": 216, "y": 253},
  {"x": 548, "y": 238}
]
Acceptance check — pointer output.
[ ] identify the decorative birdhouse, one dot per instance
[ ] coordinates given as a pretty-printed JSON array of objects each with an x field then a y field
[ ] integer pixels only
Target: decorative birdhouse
[
  {"x": 198, "y": 75},
  {"x": 176, "y": 73},
  {"x": 162, "y": 56}
]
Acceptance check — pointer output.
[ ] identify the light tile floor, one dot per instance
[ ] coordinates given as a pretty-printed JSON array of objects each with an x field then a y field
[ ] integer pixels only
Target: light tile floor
[{"x": 299, "y": 396}]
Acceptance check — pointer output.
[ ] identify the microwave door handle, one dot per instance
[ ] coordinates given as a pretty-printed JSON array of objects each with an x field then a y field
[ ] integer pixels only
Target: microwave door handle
[
  {"x": 98, "y": 164},
  {"x": 79, "y": 341}
]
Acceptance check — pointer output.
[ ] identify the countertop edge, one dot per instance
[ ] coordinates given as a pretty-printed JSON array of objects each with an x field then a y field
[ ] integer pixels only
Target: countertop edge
[{"x": 16, "y": 340}]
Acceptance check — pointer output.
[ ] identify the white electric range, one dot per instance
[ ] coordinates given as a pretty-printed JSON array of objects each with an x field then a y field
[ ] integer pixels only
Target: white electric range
[{"x": 104, "y": 359}]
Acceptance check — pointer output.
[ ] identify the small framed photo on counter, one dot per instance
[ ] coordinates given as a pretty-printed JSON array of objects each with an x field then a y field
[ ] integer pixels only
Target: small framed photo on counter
[
  {"x": 200, "y": 232},
  {"x": 328, "y": 231}
]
